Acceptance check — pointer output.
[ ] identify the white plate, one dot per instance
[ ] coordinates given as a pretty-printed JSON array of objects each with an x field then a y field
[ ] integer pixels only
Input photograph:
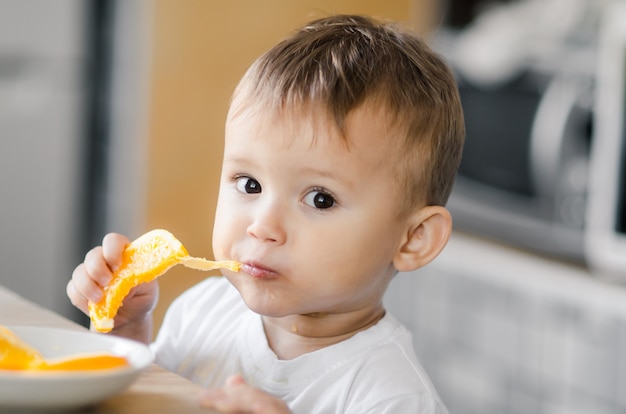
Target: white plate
[{"x": 35, "y": 390}]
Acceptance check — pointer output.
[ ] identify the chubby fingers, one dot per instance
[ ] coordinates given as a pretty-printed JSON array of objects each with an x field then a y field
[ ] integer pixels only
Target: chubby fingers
[
  {"x": 238, "y": 397},
  {"x": 76, "y": 297},
  {"x": 88, "y": 278},
  {"x": 96, "y": 271},
  {"x": 235, "y": 380},
  {"x": 113, "y": 245}
]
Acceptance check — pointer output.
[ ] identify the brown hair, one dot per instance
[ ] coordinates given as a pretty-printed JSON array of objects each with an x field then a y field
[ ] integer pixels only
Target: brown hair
[{"x": 343, "y": 61}]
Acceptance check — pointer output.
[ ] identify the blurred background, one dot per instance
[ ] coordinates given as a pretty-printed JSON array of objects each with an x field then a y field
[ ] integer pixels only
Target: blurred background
[
  {"x": 112, "y": 115},
  {"x": 111, "y": 119}
]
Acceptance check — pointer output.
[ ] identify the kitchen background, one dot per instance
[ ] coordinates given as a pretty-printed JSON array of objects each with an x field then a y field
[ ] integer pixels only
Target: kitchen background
[{"x": 111, "y": 118}]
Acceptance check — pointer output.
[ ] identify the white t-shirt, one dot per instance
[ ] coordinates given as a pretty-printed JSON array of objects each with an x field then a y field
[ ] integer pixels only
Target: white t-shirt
[{"x": 209, "y": 334}]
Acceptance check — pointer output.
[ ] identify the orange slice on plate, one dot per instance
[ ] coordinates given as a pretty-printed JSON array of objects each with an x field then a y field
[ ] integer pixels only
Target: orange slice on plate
[
  {"x": 146, "y": 258},
  {"x": 17, "y": 355},
  {"x": 85, "y": 363}
]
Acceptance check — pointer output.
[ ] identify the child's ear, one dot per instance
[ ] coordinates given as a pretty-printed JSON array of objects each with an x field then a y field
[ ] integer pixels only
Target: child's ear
[{"x": 427, "y": 232}]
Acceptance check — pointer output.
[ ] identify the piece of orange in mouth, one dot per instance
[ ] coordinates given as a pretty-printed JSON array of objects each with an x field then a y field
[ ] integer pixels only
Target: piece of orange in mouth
[{"x": 146, "y": 258}]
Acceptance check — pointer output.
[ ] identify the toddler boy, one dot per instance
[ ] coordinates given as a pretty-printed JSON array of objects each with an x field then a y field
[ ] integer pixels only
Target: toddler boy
[{"x": 341, "y": 147}]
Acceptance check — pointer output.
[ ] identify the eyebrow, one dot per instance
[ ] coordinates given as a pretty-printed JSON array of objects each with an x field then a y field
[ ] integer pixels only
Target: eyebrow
[
  {"x": 240, "y": 160},
  {"x": 324, "y": 174},
  {"x": 306, "y": 170}
]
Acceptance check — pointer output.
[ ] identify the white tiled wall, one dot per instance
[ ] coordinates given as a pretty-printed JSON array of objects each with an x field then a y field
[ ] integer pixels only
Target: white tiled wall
[{"x": 503, "y": 331}]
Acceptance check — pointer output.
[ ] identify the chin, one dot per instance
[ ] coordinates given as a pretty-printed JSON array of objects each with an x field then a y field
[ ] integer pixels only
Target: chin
[
  {"x": 263, "y": 303},
  {"x": 264, "y": 308}
]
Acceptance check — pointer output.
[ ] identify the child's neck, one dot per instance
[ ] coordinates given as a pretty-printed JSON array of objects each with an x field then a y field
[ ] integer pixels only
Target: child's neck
[{"x": 295, "y": 335}]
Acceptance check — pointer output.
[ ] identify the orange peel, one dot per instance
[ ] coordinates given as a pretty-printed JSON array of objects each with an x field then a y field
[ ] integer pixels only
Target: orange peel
[
  {"x": 143, "y": 260},
  {"x": 17, "y": 355}
]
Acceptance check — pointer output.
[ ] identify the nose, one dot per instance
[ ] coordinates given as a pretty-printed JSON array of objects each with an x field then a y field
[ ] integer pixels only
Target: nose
[{"x": 267, "y": 224}]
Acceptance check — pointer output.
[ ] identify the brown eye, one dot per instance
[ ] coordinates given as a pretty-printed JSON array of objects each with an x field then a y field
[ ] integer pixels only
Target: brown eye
[
  {"x": 248, "y": 185},
  {"x": 319, "y": 200}
]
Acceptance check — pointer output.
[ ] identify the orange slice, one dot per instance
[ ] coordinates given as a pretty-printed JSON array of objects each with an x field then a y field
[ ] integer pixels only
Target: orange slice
[
  {"x": 16, "y": 355},
  {"x": 143, "y": 260},
  {"x": 85, "y": 363}
]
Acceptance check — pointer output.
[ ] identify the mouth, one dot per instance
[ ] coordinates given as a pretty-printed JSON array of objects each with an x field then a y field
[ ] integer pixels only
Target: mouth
[{"x": 258, "y": 271}]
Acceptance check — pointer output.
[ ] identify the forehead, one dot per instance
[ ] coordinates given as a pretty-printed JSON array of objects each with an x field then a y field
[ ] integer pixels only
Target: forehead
[
  {"x": 366, "y": 126},
  {"x": 307, "y": 136},
  {"x": 285, "y": 129}
]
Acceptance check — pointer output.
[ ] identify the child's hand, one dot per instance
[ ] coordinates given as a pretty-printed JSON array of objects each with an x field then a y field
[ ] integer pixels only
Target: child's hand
[
  {"x": 239, "y": 397},
  {"x": 96, "y": 271}
]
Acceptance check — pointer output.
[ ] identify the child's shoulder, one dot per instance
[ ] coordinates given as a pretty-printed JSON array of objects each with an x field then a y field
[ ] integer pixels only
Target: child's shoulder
[
  {"x": 376, "y": 368},
  {"x": 394, "y": 369},
  {"x": 391, "y": 350}
]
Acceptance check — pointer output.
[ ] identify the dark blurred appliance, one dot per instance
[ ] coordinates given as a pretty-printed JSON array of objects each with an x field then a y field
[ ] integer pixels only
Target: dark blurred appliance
[
  {"x": 544, "y": 165},
  {"x": 523, "y": 177},
  {"x": 527, "y": 79},
  {"x": 460, "y": 13}
]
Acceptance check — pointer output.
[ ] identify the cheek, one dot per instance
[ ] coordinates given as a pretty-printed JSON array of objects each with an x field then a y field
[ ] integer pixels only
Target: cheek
[
  {"x": 347, "y": 269},
  {"x": 223, "y": 229},
  {"x": 359, "y": 246}
]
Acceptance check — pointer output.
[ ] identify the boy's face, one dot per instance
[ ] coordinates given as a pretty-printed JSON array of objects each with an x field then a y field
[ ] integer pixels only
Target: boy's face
[{"x": 314, "y": 221}]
